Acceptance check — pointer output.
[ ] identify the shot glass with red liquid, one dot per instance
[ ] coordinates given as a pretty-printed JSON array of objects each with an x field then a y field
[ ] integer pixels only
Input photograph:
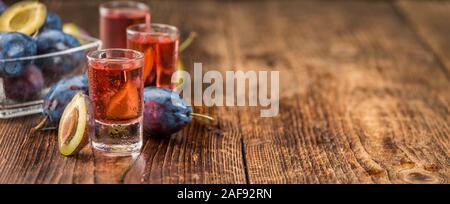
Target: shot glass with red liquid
[
  {"x": 116, "y": 90},
  {"x": 159, "y": 43},
  {"x": 116, "y": 16}
]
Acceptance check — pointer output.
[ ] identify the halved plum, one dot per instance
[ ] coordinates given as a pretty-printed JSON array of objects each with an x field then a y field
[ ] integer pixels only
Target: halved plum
[
  {"x": 25, "y": 17},
  {"x": 75, "y": 126}
]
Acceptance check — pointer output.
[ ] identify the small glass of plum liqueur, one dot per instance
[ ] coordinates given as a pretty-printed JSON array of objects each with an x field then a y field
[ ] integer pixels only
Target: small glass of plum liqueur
[
  {"x": 116, "y": 91},
  {"x": 116, "y": 16},
  {"x": 159, "y": 43}
]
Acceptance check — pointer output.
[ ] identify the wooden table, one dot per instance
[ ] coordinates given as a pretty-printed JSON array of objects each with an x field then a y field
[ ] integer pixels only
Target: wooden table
[{"x": 365, "y": 98}]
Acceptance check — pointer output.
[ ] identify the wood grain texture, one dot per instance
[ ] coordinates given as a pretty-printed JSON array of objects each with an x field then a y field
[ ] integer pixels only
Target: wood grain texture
[
  {"x": 364, "y": 99},
  {"x": 430, "y": 20},
  {"x": 35, "y": 158},
  {"x": 200, "y": 153}
]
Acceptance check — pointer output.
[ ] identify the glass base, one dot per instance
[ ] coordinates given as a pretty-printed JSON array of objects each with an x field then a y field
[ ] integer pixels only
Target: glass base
[
  {"x": 118, "y": 150},
  {"x": 118, "y": 139}
]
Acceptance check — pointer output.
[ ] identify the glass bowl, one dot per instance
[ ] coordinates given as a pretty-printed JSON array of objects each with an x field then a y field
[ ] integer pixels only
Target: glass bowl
[{"x": 22, "y": 95}]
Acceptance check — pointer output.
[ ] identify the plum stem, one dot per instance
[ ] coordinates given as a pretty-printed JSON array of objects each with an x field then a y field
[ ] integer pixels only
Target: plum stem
[
  {"x": 202, "y": 116},
  {"x": 40, "y": 124},
  {"x": 185, "y": 44}
]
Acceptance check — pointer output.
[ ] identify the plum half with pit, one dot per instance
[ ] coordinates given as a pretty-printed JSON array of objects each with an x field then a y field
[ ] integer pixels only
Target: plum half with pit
[
  {"x": 75, "y": 126},
  {"x": 49, "y": 41},
  {"x": 26, "y": 87},
  {"x": 15, "y": 45}
]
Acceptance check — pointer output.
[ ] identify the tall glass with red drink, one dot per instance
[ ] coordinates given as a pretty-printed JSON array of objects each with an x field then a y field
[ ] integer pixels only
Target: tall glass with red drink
[
  {"x": 116, "y": 16},
  {"x": 116, "y": 90},
  {"x": 159, "y": 43}
]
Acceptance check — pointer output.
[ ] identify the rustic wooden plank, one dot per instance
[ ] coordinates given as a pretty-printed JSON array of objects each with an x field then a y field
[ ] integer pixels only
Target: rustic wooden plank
[
  {"x": 363, "y": 101},
  {"x": 82, "y": 13},
  {"x": 35, "y": 158},
  {"x": 430, "y": 20},
  {"x": 199, "y": 153}
]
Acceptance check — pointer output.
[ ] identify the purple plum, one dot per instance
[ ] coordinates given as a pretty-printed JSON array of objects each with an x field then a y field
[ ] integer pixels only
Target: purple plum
[
  {"x": 59, "y": 96},
  {"x": 165, "y": 112},
  {"x": 25, "y": 87}
]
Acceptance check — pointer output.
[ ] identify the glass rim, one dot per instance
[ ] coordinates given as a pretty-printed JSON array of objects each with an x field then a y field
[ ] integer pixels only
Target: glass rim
[
  {"x": 111, "y": 5},
  {"x": 133, "y": 30},
  {"x": 95, "y": 55}
]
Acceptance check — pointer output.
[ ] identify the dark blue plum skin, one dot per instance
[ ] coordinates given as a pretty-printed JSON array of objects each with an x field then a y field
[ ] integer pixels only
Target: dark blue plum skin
[
  {"x": 60, "y": 95},
  {"x": 49, "y": 41},
  {"x": 162, "y": 117},
  {"x": 3, "y": 7},
  {"x": 52, "y": 22},
  {"x": 26, "y": 87},
  {"x": 15, "y": 45}
]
